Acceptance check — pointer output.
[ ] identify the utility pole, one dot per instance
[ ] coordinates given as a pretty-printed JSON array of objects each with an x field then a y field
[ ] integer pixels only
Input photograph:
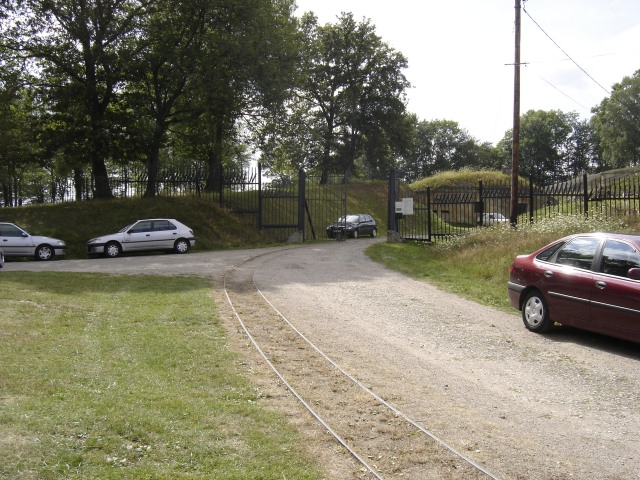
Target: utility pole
[{"x": 513, "y": 217}]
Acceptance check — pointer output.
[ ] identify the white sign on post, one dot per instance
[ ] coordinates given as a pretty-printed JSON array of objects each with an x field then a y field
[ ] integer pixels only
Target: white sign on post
[
  {"x": 398, "y": 207},
  {"x": 407, "y": 206}
]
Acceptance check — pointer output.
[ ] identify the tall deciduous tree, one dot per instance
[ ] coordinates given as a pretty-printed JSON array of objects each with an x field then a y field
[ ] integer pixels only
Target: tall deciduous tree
[
  {"x": 84, "y": 50},
  {"x": 617, "y": 122},
  {"x": 246, "y": 71},
  {"x": 350, "y": 104},
  {"x": 167, "y": 70}
]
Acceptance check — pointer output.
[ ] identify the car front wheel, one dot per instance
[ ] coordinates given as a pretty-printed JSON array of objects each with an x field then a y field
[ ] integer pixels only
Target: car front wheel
[
  {"x": 374, "y": 233},
  {"x": 112, "y": 250},
  {"x": 535, "y": 313},
  {"x": 181, "y": 246},
  {"x": 44, "y": 252},
  {"x": 355, "y": 234}
]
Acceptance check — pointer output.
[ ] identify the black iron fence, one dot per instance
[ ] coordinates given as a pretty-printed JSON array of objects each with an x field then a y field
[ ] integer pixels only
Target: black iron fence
[
  {"x": 278, "y": 207},
  {"x": 443, "y": 212}
]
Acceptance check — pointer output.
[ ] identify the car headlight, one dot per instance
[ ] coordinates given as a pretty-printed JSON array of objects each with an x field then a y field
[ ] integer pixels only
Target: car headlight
[
  {"x": 61, "y": 243},
  {"x": 93, "y": 240}
]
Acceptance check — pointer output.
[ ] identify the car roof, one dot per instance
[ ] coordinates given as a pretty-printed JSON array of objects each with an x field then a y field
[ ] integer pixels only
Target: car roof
[{"x": 622, "y": 236}]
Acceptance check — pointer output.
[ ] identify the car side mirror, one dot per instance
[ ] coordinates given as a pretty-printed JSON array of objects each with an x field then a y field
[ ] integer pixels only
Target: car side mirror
[
  {"x": 24, "y": 235},
  {"x": 634, "y": 273}
]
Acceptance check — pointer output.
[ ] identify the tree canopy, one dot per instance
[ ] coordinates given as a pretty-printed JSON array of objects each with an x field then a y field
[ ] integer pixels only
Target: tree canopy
[
  {"x": 617, "y": 123},
  {"x": 90, "y": 86}
]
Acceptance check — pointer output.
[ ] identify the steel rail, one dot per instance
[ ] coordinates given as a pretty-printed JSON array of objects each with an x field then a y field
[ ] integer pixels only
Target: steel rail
[
  {"x": 284, "y": 381},
  {"x": 346, "y": 374}
]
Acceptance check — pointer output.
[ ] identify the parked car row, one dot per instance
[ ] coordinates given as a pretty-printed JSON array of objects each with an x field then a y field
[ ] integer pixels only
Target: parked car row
[{"x": 159, "y": 234}]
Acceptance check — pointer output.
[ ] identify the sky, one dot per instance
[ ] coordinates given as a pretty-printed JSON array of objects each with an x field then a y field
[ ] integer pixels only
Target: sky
[{"x": 461, "y": 54}]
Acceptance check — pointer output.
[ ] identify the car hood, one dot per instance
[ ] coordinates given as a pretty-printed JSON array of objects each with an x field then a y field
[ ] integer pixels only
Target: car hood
[
  {"x": 107, "y": 237},
  {"x": 37, "y": 239}
]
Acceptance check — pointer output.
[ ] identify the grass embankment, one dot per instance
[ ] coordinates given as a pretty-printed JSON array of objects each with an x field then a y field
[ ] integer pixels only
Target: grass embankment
[
  {"x": 215, "y": 228},
  {"x": 476, "y": 265},
  {"x": 77, "y": 222},
  {"x": 128, "y": 377}
]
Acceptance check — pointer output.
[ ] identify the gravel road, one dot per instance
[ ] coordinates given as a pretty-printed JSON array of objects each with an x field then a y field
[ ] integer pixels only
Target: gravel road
[{"x": 555, "y": 406}]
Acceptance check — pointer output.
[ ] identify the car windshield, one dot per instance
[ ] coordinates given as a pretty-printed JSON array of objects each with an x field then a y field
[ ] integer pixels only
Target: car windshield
[
  {"x": 350, "y": 219},
  {"x": 126, "y": 228}
]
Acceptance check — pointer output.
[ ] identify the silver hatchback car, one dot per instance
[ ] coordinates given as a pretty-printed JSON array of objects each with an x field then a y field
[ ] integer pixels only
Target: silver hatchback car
[
  {"x": 164, "y": 234},
  {"x": 17, "y": 242}
]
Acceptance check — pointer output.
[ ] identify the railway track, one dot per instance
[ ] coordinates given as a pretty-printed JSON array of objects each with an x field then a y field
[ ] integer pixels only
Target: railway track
[{"x": 387, "y": 443}]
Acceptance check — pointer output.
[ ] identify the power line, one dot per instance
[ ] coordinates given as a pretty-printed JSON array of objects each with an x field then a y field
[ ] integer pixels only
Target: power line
[
  {"x": 568, "y": 56},
  {"x": 591, "y": 56},
  {"x": 573, "y": 100}
]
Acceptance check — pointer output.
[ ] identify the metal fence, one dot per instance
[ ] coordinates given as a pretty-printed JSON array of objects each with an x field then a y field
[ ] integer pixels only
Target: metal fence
[{"x": 443, "y": 212}]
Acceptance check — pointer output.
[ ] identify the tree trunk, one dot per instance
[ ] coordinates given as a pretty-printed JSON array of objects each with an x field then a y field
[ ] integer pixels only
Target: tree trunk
[
  {"x": 152, "y": 164},
  {"x": 102, "y": 190},
  {"x": 78, "y": 183},
  {"x": 214, "y": 159}
]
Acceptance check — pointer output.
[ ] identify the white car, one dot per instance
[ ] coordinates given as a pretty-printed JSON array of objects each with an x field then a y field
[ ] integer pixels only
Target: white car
[
  {"x": 493, "y": 218},
  {"x": 144, "y": 235},
  {"x": 17, "y": 242}
]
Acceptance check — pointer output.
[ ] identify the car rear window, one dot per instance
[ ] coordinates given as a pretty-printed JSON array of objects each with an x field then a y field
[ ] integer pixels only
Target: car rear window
[{"x": 546, "y": 254}]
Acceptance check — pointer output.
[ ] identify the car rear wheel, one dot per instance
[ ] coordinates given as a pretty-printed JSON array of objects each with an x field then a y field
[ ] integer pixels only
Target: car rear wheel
[
  {"x": 44, "y": 252},
  {"x": 374, "y": 233},
  {"x": 355, "y": 234},
  {"x": 112, "y": 250},
  {"x": 181, "y": 246},
  {"x": 535, "y": 313}
]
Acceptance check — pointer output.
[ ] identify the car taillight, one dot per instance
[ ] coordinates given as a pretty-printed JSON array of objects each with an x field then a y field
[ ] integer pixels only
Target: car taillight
[
  {"x": 511, "y": 268},
  {"x": 191, "y": 231}
]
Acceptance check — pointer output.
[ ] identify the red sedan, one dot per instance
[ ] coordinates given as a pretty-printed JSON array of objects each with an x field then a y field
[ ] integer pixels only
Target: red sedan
[{"x": 589, "y": 281}]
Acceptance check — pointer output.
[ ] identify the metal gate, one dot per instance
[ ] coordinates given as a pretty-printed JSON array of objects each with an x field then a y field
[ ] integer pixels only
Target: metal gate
[{"x": 305, "y": 204}]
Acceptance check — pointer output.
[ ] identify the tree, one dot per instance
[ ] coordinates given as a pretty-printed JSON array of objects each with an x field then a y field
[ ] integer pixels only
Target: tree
[
  {"x": 168, "y": 68},
  {"x": 350, "y": 104},
  {"x": 84, "y": 52},
  {"x": 441, "y": 145},
  {"x": 617, "y": 122},
  {"x": 582, "y": 152},
  {"x": 543, "y": 138},
  {"x": 247, "y": 72}
]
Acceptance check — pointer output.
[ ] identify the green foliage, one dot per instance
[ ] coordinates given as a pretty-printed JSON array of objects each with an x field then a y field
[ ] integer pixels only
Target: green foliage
[
  {"x": 442, "y": 145},
  {"x": 617, "y": 121},
  {"x": 349, "y": 105},
  {"x": 553, "y": 146},
  {"x": 460, "y": 178},
  {"x": 129, "y": 377}
]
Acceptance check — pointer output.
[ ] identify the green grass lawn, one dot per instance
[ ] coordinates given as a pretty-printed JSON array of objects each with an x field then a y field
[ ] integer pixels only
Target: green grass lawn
[{"x": 128, "y": 377}]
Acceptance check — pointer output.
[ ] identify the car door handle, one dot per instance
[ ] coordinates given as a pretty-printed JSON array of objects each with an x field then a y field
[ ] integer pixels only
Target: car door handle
[
  {"x": 148, "y": 235},
  {"x": 548, "y": 273},
  {"x": 601, "y": 285}
]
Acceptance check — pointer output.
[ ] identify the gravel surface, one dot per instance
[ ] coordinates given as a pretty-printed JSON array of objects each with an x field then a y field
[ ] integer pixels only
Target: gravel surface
[{"x": 554, "y": 406}]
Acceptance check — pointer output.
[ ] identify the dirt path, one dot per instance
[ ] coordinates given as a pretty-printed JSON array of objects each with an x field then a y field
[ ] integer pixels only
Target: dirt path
[{"x": 559, "y": 406}]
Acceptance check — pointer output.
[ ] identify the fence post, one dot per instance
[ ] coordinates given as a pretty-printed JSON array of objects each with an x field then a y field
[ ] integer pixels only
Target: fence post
[
  {"x": 391, "y": 202},
  {"x": 481, "y": 203},
  {"x": 259, "y": 197},
  {"x": 586, "y": 194},
  {"x": 531, "y": 205},
  {"x": 301, "y": 198},
  {"x": 221, "y": 196},
  {"x": 429, "y": 214}
]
